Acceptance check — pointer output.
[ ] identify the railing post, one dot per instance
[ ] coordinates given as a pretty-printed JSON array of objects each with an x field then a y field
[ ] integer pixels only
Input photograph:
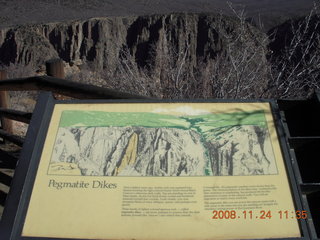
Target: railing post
[
  {"x": 55, "y": 68},
  {"x": 6, "y": 124}
]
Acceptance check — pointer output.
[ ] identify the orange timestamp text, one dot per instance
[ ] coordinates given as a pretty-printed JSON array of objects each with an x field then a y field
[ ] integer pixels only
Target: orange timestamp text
[{"x": 262, "y": 214}]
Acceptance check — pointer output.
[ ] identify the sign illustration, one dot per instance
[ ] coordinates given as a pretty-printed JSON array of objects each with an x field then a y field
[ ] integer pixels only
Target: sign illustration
[{"x": 187, "y": 142}]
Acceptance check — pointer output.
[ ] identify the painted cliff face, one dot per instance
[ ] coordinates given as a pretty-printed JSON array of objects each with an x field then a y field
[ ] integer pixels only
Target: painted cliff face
[{"x": 156, "y": 144}]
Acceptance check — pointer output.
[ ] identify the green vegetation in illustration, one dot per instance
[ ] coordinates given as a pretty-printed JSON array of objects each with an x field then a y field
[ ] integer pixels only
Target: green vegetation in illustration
[
  {"x": 119, "y": 119},
  {"x": 200, "y": 123}
]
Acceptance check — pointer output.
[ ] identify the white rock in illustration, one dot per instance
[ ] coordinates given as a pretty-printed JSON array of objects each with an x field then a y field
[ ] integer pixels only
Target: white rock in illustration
[
  {"x": 66, "y": 148},
  {"x": 143, "y": 151},
  {"x": 242, "y": 150},
  {"x": 134, "y": 150}
]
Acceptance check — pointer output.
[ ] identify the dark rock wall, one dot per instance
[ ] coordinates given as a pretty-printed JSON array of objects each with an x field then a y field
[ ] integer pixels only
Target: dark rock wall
[{"x": 100, "y": 40}]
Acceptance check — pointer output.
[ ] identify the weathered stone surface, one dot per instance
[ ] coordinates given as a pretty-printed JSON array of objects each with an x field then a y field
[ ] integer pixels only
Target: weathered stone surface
[
  {"x": 25, "y": 45},
  {"x": 100, "y": 40}
]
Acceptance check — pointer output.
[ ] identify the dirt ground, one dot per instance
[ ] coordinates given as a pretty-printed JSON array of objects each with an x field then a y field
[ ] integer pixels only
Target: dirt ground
[
  {"x": 13, "y": 150},
  {"x": 3, "y": 187}
]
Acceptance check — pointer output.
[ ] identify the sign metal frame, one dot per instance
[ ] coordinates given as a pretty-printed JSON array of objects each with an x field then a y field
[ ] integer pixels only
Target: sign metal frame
[{"x": 18, "y": 198}]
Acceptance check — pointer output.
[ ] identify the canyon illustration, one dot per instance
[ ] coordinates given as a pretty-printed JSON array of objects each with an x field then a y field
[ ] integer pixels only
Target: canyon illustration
[{"x": 96, "y": 143}]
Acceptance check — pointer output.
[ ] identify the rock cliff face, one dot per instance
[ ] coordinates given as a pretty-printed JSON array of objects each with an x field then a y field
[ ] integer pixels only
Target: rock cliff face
[
  {"x": 139, "y": 151},
  {"x": 100, "y": 40},
  {"x": 287, "y": 32}
]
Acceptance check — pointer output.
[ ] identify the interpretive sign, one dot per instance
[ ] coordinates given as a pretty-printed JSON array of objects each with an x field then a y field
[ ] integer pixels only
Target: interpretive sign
[{"x": 161, "y": 170}]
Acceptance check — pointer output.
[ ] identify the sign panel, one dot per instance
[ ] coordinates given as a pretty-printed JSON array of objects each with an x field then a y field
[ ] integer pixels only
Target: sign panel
[{"x": 161, "y": 171}]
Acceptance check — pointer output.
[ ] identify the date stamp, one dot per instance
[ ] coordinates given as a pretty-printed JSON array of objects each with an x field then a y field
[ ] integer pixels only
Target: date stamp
[{"x": 261, "y": 215}]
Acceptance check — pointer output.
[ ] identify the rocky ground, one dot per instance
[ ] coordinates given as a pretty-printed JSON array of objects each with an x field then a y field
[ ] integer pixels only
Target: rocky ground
[
  {"x": 13, "y": 149},
  {"x": 3, "y": 187}
]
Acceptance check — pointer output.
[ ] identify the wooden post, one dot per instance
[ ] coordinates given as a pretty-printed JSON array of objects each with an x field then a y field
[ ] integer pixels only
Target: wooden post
[
  {"x": 55, "y": 68},
  {"x": 6, "y": 124}
]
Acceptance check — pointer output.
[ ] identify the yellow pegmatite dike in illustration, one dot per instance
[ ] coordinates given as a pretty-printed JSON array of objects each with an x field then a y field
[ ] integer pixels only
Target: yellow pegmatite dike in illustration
[
  {"x": 130, "y": 155},
  {"x": 180, "y": 170}
]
